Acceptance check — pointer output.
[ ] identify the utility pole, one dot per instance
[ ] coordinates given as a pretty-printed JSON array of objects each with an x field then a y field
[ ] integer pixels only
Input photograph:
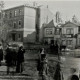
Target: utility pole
[{"x": 57, "y": 75}]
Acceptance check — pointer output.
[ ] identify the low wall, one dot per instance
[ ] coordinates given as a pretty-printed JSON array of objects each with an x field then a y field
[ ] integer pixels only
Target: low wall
[
  {"x": 74, "y": 53},
  {"x": 35, "y": 46}
]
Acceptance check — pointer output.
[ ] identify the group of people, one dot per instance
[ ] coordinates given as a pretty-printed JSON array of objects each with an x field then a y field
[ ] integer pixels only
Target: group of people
[
  {"x": 56, "y": 48},
  {"x": 13, "y": 58}
]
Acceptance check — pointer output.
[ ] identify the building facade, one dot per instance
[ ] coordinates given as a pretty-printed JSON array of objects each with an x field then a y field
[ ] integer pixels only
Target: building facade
[
  {"x": 46, "y": 16},
  {"x": 69, "y": 34},
  {"x": 21, "y": 21},
  {"x": 51, "y": 32},
  {"x": 48, "y": 32},
  {"x": 26, "y": 22}
]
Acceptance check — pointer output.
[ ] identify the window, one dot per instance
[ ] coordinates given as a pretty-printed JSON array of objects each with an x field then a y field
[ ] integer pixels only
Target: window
[
  {"x": 9, "y": 23},
  {"x": 0, "y": 24},
  {"x": 14, "y": 24},
  {"x": 20, "y": 12},
  {"x": 57, "y": 31},
  {"x": 0, "y": 15},
  {"x": 3, "y": 14},
  {"x": 6, "y": 15},
  {"x": 15, "y": 13},
  {"x": 69, "y": 31},
  {"x": 49, "y": 31},
  {"x": 79, "y": 29},
  {"x": 19, "y": 23},
  {"x": 13, "y": 36},
  {"x": 79, "y": 41},
  {"x": 10, "y": 14},
  {"x": 69, "y": 42},
  {"x": 19, "y": 37}
]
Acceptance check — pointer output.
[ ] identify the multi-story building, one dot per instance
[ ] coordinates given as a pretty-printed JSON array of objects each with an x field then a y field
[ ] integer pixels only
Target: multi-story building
[
  {"x": 26, "y": 22},
  {"x": 69, "y": 34},
  {"x": 51, "y": 32},
  {"x": 22, "y": 22},
  {"x": 78, "y": 37}
]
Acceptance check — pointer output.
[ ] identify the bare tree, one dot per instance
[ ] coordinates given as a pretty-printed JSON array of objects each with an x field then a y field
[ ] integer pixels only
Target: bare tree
[{"x": 4, "y": 28}]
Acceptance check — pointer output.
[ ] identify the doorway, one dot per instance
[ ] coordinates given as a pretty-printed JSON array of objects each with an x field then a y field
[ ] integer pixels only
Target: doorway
[{"x": 13, "y": 36}]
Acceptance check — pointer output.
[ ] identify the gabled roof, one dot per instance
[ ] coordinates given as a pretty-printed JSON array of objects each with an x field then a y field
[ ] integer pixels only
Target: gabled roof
[
  {"x": 50, "y": 24},
  {"x": 70, "y": 23}
]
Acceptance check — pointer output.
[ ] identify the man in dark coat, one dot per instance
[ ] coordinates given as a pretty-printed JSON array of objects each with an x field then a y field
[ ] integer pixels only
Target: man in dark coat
[
  {"x": 8, "y": 58},
  {"x": 14, "y": 57},
  {"x": 20, "y": 59},
  {"x": 1, "y": 54}
]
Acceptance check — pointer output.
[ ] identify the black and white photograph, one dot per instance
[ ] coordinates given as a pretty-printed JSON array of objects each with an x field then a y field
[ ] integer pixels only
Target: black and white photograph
[{"x": 39, "y": 39}]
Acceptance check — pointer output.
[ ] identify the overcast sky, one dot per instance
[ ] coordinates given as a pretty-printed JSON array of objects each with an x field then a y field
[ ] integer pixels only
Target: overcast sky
[{"x": 67, "y": 8}]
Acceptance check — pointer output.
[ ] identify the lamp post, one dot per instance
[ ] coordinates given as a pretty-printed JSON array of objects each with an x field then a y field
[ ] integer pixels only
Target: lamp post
[
  {"x": 58, "y": 64},
  {"x": 58, "y": 68}
]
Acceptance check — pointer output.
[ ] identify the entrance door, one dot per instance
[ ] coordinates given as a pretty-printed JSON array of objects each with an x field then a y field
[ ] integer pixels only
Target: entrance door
[{"x": 13, "y": 36}]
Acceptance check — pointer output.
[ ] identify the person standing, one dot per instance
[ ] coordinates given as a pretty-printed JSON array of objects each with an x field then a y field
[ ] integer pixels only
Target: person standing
[
  {"x": 14, "y": 57},
  {"x": 43, "y": 62},
  {"x": 42, "y": 65},
  {"x": 8, "y": 58},
  {"x": 52, "y": 51},
  {"x": 20, "y": 59},
  {"x": 1, "y": 54},
  {"x": 56, "y": 48}
]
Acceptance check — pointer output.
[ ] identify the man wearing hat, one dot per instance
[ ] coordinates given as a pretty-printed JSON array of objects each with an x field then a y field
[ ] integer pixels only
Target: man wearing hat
[{"x": 20, "y": 59}]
